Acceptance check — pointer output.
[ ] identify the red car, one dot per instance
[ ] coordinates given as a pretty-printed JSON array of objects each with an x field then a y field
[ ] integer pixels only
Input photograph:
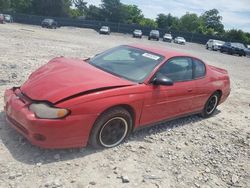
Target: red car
[{"x": 70, "y": 103}]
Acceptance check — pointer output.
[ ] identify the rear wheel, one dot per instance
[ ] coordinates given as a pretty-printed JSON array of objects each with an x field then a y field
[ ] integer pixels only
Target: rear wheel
[
  {"x": 211, "y": 105},
  {"x": 111, "y": 128}
]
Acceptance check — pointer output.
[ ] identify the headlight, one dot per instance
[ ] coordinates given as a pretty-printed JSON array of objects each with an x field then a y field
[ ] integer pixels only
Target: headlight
[{"x": 44, "y": 111}]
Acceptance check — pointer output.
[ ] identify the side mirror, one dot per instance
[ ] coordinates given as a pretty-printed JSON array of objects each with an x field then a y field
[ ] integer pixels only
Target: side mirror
[{"x": 162, "y": 80}]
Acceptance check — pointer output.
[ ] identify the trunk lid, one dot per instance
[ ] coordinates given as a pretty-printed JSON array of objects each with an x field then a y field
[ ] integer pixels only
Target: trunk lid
[{"x": 220, "y": 70}]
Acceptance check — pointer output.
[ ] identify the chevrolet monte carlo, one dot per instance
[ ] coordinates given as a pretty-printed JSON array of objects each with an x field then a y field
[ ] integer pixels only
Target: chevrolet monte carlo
[{"x": 70, "y": 103}]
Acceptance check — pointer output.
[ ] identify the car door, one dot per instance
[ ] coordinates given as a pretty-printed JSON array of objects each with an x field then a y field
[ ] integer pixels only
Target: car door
[
  {"x": 165, "y": 102},
  {"x": 201, "y": 84}
]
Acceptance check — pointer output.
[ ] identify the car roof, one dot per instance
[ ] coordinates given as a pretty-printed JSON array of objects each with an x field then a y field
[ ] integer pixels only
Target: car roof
[{"x": 159, "y": 50}]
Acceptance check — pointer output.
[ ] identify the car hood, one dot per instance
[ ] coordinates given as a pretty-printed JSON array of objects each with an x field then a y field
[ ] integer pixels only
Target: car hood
[
  {"x": 62, "y": 78},
  {"x": 167, "y": 36},
  {"x": 218, "y": 44},
  {"x": 181, "y": 40}
]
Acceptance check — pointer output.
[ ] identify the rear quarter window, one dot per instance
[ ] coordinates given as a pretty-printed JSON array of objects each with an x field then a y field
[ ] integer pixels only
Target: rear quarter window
[{"x": 199, "y": 69}]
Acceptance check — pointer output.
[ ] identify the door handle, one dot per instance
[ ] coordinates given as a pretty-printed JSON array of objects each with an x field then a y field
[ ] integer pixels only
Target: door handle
[{"x": 189, "y": 90}]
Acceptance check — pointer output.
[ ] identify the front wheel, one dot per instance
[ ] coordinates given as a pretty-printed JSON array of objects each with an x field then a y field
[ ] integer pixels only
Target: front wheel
[
  {"x": 211, "y": 105},
  {"x": 111, "y": 128}
]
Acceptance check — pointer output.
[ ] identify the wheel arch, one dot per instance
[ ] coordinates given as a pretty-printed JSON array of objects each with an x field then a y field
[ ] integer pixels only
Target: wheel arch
[
  {"x": 127, "y": 107},
  {"x": 219, "y": 91}
]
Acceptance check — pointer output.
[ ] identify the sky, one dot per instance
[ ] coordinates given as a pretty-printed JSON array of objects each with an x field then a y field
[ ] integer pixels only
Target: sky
[{"x": 235, "y": 13}]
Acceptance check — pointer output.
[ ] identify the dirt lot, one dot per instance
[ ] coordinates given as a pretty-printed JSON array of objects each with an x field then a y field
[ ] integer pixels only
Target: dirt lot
[{"x": 189, "y": 152}]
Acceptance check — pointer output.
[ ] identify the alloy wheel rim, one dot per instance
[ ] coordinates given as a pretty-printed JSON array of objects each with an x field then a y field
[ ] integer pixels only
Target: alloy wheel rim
[
  {"x": 212, "y": 103},
  {"x": 113, "y": 132}
]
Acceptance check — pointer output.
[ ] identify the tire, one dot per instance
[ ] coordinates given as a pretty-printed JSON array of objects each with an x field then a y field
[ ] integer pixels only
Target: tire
[
  {"x": 207, "y": 47},
  {"x": 103, "y": 132},
  {"x": 211, "y": 105},
  {"x": 149, "y": 38}
]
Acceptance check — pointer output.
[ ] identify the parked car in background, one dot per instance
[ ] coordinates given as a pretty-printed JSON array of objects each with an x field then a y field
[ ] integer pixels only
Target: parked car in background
[
  {"x": 234, "y": 48},
  {"x": 154, "y": 34},
  {"x": 179, "y": 40},
  {"x": 1, "y": 18},
  {"x": 49, "y": 23},
  {"x": 247, "y": 51},
  {"x": 214, "y": 44},
  {"x": 167, "y": 38},
  {"x": 137, "y": 33},
  {"x": 8, "y": 18},
  {"x": 70, "y": 103},
  {"x": 105, "y": 30}
]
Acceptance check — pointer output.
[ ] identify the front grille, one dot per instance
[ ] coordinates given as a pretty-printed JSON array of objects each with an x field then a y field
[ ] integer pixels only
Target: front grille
[{"x": 18, "y": 126}]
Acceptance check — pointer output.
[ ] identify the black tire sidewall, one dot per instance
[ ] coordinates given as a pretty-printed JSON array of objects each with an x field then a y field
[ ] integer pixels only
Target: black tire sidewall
[
  {"x": 100, "y": 122},
  {"x": 204, "y": 112}
]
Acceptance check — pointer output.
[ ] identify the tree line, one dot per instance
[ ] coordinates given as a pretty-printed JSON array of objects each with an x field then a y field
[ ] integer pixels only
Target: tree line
[{"x": 208, "y": 23}]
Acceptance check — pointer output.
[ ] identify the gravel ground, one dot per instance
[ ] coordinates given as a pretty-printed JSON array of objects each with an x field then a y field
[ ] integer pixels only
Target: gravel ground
[{"x": 188, "y": 152}]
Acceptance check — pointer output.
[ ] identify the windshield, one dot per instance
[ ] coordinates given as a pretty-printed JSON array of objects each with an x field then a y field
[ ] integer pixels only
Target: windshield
[
  {"x": 180, "y": 38},
  {"x": 138, "y": 31},
  {"x": 127, "y": 62},
  {"x": 219, "y": 42},
  {"x": 105, "y": 27},
  {"x": 48, "y": 20},
  {"x": 155, "y": 32},
  {"x": 238, "y": 45}
]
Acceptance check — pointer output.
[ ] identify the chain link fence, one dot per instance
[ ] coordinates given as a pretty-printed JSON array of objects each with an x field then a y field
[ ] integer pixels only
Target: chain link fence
[{"x": 115, "y": 27}]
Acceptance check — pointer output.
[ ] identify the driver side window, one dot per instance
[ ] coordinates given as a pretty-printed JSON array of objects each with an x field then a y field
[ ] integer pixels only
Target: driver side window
[{"x": 178, "y": 69}]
